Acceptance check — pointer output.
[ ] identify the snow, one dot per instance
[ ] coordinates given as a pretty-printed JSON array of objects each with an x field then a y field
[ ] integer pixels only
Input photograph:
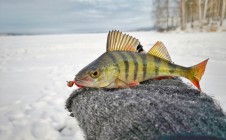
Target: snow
[{"x": 34, "y": 71}]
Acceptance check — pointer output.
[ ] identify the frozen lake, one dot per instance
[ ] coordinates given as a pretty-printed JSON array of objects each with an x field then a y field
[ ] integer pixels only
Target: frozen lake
[{"x": 34, "y": 71}]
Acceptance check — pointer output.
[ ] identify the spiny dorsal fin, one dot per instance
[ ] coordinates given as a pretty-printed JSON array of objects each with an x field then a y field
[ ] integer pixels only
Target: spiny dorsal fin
[
  {"x": 159, "y": 50},
  {"x": 117, "y": 41}
]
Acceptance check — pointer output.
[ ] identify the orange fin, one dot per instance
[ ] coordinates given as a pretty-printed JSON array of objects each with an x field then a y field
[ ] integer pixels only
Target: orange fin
[
  {"x": 133, "y": 84},
  {"x": 196, "y": 83},
  {"x": 196, "y": 73}
]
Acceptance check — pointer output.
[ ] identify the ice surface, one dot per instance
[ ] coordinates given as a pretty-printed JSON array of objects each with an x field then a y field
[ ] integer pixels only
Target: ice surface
[{"x": 34, "y": 71}]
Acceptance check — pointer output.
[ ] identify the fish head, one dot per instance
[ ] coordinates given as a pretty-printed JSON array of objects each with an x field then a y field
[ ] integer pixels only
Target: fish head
[{"x": 96, "y": 75}]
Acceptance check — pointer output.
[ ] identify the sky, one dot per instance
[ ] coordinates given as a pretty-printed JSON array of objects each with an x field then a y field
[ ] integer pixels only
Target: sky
[{"x": 73, "y": 16}]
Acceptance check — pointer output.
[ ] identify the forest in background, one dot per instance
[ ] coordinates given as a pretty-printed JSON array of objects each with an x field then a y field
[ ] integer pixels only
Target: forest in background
[{"x": 190, "y": 15}]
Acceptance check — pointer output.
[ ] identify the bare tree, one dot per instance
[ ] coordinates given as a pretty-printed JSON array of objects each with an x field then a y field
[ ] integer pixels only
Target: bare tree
[
  {"x": 223, "y": 12},
  {"x": 199, "y": 14}
]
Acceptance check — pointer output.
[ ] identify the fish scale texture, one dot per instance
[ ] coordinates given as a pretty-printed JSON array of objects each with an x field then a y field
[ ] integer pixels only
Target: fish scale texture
[{"x": 156, "y": 109}]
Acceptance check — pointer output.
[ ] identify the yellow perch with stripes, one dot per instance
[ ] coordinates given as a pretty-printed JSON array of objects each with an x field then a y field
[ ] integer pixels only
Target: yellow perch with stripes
[{"x": 125, "y": 64}]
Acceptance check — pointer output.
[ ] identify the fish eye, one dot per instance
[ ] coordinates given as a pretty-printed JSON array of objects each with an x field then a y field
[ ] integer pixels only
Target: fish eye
[{"x": 95, "y": 74}]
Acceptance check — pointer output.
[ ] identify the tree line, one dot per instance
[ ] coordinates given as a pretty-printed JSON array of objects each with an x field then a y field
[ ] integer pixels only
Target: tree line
[{"x": 202, "y": 15}]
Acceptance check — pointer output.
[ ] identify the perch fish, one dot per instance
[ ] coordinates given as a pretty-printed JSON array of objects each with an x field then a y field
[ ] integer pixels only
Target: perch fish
[{"x": 125, "y": 64}]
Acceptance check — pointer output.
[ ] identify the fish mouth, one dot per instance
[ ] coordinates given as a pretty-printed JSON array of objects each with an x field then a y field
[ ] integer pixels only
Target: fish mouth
[
  {"x": 80, "y": 82},
  {"x": 78, "y": 85}
]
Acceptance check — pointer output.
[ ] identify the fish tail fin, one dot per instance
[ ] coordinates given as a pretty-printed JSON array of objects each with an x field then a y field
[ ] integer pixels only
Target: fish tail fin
[{"x": 196, "y": 72}]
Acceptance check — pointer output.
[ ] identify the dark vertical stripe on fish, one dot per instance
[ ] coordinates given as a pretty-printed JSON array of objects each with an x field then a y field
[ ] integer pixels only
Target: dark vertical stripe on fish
[
  {"x": 172, "y": 67},
  {"x": 144, "y": 62},
  {"x": 135, "y": 65},
  {"x": 126, "y": 63},
  {"x": 157, "y": 65},
  {"x": 113, "y": 59}
]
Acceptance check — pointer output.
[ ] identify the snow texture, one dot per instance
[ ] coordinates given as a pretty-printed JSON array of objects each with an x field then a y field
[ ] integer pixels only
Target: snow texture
[
  {"x": 34, "y": 71},
  {"x": 152, "y": 110}
]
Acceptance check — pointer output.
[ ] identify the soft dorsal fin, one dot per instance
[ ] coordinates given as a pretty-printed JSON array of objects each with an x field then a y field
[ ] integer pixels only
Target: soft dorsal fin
[
  {"x": 159, "y": 50},
  {"x": 117, "y": 41}
]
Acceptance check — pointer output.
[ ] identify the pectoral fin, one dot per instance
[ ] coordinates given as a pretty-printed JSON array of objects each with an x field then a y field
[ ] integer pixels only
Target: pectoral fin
[{"x": 118, "y": 83}]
